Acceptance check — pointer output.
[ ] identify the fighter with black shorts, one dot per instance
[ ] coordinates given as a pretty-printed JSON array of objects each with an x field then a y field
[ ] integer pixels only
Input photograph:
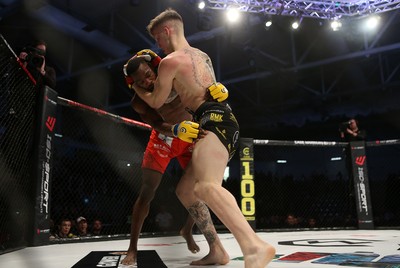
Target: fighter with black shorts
[{"x": 218, "y": 118}]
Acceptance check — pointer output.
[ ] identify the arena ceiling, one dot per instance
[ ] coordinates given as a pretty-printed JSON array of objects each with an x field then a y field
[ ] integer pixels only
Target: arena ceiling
[{"x": 275, "y": 76}]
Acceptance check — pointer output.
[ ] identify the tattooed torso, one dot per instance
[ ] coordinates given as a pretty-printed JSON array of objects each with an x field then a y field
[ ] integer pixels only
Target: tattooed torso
[{"x": 194, "y": 75}]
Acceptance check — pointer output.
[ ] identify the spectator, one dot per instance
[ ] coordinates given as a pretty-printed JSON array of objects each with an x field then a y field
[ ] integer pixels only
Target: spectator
[
  {"x": 34, "y": 59},
  {"x": 82, "y": 227},
  {"x": 97, "y": 227},
  {"x": 63, "y": 230},
  {"x": 349, "y": 131},
  {"x": 311, "y": 223},
  {"x": 291, "y": 221}
]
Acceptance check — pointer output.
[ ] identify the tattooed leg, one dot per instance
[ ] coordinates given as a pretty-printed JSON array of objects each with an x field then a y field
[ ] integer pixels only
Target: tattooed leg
[{"x": 217, "y": 255}]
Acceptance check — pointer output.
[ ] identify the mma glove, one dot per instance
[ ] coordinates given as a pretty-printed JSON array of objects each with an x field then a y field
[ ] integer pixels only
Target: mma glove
[
  {"x": 186, "y": 131},
  {"x": 150, "y": 56},
  {"x": 218, "y": 92}
]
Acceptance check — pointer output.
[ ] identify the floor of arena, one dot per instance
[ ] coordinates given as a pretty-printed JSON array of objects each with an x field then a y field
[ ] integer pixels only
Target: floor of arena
[{"x": 311, "y": 249}]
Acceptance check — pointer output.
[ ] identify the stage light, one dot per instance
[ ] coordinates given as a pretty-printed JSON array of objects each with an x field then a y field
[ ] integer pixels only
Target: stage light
[
  {"x": 233, "y": 15},
  {"x": 268, "y": 23},
  {"x": 335, "y": 25},
  {"x": 296, "y": 23},
  {"x": 201, "y": 5},
  {"x": 372, "y": 22}
]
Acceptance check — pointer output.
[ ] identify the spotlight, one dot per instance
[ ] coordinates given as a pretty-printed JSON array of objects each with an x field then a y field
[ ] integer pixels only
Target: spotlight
[
  {"x": 296, "y": 23},
  {"x": 267, "y": 21},
  {"x": 201, "y": 5},
  {"x": 233, "y": 15},
  {"x": 335, "y": 25},
  {"x": 372, "y": 22}
]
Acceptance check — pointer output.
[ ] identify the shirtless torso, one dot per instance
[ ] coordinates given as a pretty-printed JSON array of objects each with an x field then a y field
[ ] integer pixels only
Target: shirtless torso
[
  {"x": 162, "y": 119},
  {"x": 188, "y": 70},
  {"x": 172, "y": 112}
]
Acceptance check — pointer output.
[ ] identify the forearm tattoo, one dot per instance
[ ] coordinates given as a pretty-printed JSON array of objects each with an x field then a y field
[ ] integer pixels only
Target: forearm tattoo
[{"x": 201, "y": 215}]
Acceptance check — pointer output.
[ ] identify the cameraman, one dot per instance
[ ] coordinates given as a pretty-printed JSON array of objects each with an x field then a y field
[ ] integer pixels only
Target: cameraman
[
  {"x": 349, "y": 131},
  {"x": 34, "y": 60}
]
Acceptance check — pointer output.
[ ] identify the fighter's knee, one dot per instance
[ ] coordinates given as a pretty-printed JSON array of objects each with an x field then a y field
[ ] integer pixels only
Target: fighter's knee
[
  {"x": 146, "y": 196},
  {"x": 202, "y": 188}
]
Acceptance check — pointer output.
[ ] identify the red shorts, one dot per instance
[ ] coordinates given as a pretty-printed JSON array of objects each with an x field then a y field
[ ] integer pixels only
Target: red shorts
[{"x": 161, "y": 149}]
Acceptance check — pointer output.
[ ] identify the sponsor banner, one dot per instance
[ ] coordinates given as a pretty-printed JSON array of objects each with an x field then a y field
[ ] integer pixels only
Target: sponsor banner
[
  {"x": 354, "y": 259},
  {"x": 300, "y": 143},
  {"x": 298, "y": 257},
  {"x": 383, "y": 142},
  {"x": 361, "y": 185},
  {"x": 44, "y": 158},
  {"x": 339, "y": 258},
  {"x": 247, "y": 187},
  {"x": 112, "y": 259}
]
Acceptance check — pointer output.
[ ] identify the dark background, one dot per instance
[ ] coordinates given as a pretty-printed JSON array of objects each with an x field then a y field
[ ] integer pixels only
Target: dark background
[{"x": 283, "y": 84}]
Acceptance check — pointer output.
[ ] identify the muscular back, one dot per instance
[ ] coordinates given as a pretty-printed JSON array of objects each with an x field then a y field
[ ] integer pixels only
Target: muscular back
[{"x": 194, "y": 75}]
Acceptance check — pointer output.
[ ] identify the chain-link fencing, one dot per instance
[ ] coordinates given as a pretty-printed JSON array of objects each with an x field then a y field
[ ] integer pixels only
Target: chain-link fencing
[
  {"x": 302, "y": 187},
  {"x": 384, "y": 176},
  {"x": 97, "y": 171},
  {"x": 310, "y": 184},
  {"x": 18, "y": 96}
]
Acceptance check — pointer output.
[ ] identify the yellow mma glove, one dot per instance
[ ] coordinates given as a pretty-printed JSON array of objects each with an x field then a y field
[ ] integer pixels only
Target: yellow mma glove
[
  {"x": 218, "y": 92},
  {"x": 150, "y": 56},
  {"x": 186, "y": 131}
]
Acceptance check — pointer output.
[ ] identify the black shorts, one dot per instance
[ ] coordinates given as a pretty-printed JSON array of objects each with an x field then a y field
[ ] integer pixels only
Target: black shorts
[{"x": 219, "y": 119}]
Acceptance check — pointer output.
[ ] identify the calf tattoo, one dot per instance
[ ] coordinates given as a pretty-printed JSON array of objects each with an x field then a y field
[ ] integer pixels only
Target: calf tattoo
[{"x": 201, "y": 215}]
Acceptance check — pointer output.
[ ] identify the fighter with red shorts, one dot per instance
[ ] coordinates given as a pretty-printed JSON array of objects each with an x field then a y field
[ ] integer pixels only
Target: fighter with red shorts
[
  {"x": 171, "y": 137},
  {"x": 161, "y": 149}
]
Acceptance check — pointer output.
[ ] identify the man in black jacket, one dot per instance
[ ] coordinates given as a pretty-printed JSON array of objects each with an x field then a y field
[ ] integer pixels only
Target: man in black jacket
[{"x": 34, "y": 59}]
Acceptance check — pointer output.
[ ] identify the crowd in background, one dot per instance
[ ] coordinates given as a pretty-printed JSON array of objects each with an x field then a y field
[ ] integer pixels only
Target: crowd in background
[
  {"x": 281, "y": 203},
  {"x": 69, "y": 228}
]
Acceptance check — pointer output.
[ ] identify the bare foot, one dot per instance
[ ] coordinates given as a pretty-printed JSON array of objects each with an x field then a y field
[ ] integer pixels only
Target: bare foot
[
  {"x": 191, "y": 244},
  {"x": 130, "y": 259},
  {"x": 212, "y": 260},
  {"x": 260, "y": 258},
  {"x": 217, "y": 256}
]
